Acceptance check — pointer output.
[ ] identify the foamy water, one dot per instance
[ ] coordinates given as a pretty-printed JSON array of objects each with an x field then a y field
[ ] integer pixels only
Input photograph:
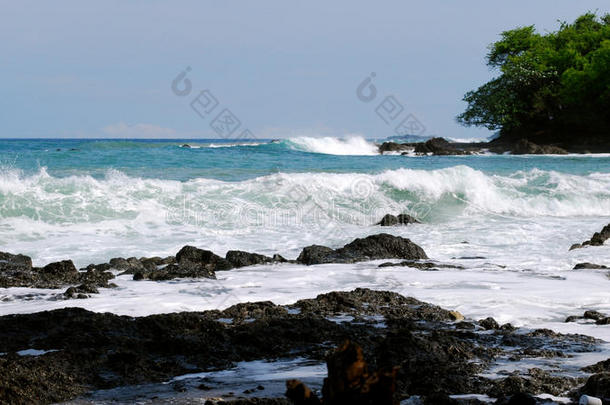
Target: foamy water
[{"x": 516, "y": 216}]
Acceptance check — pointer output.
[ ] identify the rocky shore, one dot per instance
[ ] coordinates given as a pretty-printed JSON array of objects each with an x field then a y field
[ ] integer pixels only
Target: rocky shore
[
  {"x": 436, "y": 352},
  {"x": 423, "y": 353},
  {"x": 442, "y": 147}
]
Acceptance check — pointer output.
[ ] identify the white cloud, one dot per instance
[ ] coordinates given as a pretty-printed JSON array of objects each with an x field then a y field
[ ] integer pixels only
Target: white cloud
[{"x": 123, "y": 130}]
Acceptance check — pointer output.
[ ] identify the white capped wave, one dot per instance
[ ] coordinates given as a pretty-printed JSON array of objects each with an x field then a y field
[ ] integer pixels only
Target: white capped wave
[
  {"x": 86, "y": 217},
  {"x": 348, "y": 145}
]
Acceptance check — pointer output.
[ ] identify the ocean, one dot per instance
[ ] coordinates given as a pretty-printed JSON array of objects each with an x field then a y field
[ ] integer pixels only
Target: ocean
[{"x": 508, "y": 220}]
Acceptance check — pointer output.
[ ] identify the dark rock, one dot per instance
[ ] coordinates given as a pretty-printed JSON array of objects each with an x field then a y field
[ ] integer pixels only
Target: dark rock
[
  {"x": 62, "y": 269},
  {"x": 597, "y": 239},
  {"x": 17, "y": 271},
  {"x": 96, "y": 277},
  {"x": 190, "y": 262},
  {"x": 237, "y": 258},
  {"x": 190, "y": 256},
  {"x": 525, "y": 147},
  {"x": 602, "y": 366},
  {"x": 603, "y": 321},
  {"x": 439, "y": 146},
  {"x": 381, "y": 246},
  {"x": 81, "y": 291},
  {"x": 129, "y": 265},
  {"x": 315, "y": 254},
  {"x": 489, "y": 323},
  {"x": 596, "y": 316},
  {"x": 598, "y": 385},
  {"x": 402, "y": 219},
  {"x": 10, "y": 261},
  {"x": 100, "y": 351},
  {"x": 394, "y": 147},
  {"x": 580, "y": 266},
  {"x": 425, "y": 266}
]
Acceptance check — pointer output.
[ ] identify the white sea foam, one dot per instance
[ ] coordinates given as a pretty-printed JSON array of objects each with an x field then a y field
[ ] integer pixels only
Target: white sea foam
[
  {"x": 348, "y": 145},
  {"x": 87, "y": 219}
]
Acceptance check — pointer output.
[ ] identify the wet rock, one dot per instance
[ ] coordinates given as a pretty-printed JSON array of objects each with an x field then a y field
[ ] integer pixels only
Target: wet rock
[
  {"x": 598, "y": 385},
  {"x": 381, "y": 246},
  {"x": 81, "y": 291},
  {"x": 597, "y": 239},
  {"x": 102, "y": 350},
  {"x": 193, "y": 257},
  {"x": 394, "y": 147},
  {"x": 17, "y": 271},
  {"x": 96, "y": 277},
  {"x": 401, "y": 219},
  {"x": 363, "y": 301},
  {"x": 598, "y": 317},
  {"x": 598, "y": 367},
  {"x": 129, "y": 265},
  {"x": 237, "y": 258},
  {"x": 536, "y": 381},
  {"x": 489, "y": 323},
  {"x": 525, "y": 147},
  {"x": 438, "y": 146},
  {"x": 421, "y": 265},
  {"x": 190, "y": 262},
  {"x": 10, "y": 261},
  {"x": 580, "y": 266}
]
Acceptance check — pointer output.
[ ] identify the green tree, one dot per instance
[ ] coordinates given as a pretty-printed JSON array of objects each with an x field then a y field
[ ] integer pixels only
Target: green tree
[{"x": 551, "y": 88}]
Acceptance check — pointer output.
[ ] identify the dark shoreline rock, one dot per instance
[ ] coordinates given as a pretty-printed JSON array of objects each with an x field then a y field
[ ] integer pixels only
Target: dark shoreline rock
[
  {"x": 597, "y": 239},
  {"x": 587, "y": 265},
  {"x": 525, "y": 147},
  {"x": 380, "y": 246},
  {"x": 401, "y": 219},
  {"x": 17, "y": 271},
  {"x": 92, "y": 351}
]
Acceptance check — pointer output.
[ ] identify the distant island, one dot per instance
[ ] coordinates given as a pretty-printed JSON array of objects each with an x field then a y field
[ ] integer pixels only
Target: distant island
[{"x": 553, "y": 90}]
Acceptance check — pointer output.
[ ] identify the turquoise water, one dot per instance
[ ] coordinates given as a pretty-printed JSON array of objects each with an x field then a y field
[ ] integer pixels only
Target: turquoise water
[
  {"x": 94, "y": 199},
  {"x": 165, "y": 159}
]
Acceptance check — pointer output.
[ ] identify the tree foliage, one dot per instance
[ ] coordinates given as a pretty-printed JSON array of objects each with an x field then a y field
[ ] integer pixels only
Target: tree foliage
[{"x": 557, "y": 82}]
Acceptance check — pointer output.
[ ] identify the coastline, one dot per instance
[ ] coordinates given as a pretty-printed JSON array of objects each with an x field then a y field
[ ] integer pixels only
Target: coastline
[{"x": 198, "y": 344}]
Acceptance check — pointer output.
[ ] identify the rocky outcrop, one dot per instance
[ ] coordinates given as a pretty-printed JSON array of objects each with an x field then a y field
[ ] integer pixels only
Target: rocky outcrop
[
  {"x": 439, "y": 146},
  {"x": 597, "y": 239},
  {"x": 595, "y": 316},
  {"x": 525, "y": 147},
  {"x": 395, "y": 147},
  {"x": 237, "y": 258},
  {"x": 17, "y": 271},
  {"x": 401, "y": 219},
  {"x": 587, "y": 265},
  {"x": 598, "y": 385},
  {"x": 381, "y": 246},
  {"x": 84, "y": 350}
]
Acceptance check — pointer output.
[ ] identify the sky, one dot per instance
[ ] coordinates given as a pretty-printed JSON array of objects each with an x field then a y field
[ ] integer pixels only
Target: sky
[{"x": 276, "y": 68}]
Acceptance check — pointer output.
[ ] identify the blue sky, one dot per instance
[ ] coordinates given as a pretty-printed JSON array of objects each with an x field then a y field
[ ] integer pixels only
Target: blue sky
[{"x": 104, "y": 69}]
